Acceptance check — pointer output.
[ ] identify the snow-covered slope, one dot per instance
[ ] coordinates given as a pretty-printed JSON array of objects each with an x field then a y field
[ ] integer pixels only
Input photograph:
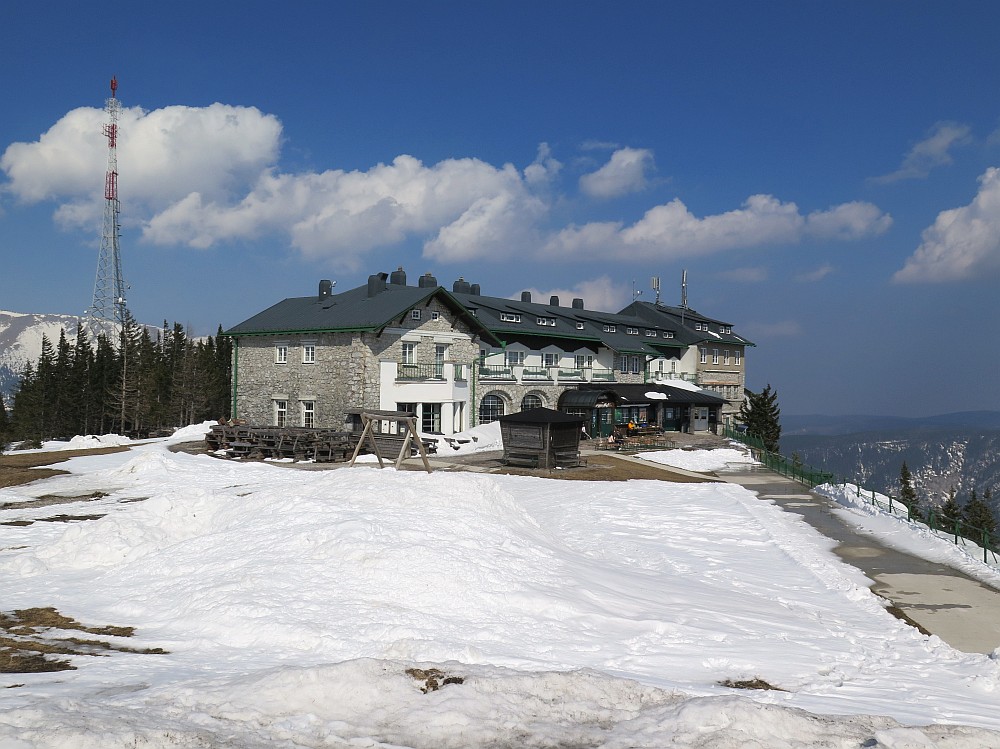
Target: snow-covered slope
[{"x": 359, "y": 607}]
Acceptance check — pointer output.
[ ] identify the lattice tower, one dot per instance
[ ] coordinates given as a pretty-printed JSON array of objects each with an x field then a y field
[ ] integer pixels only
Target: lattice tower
[{"x": 107, "y": 312}]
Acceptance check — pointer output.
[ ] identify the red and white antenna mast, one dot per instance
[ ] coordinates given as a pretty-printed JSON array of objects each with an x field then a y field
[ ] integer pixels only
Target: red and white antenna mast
[{"x": 107, "y": 312}]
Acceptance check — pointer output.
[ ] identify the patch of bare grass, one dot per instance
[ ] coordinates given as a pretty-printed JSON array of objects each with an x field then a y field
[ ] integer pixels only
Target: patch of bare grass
[
  {"x": 30, "y": 641},
  {"x": 755, "y": 683},
  {"x": 23, "y": 468}
]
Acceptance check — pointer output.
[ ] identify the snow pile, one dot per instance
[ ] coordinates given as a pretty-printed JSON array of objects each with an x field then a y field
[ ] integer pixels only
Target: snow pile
[
  {"x": 475, "y": 440},
  {"x": 699, "y": 460},
  {"x": 87, "y": 442},
  {"x": 356, "y": 607}
]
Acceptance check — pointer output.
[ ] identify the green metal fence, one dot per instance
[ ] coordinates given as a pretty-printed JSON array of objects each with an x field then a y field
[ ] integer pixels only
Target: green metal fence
[{"x": 961, "y": 533}]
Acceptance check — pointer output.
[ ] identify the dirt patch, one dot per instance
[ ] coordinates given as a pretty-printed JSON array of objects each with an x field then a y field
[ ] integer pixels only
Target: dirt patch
[
  {"x": 28, "y": 641},
  {"x": 609, "y": 468},
  {"x": 52, "y": 499},
  {"x": 433, "y": 679},
  {"x": 23, "y": 468},
  {"x": 757, "y": 683}
]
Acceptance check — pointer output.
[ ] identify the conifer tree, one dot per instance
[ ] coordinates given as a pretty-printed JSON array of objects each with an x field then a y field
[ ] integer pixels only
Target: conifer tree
[
  {"x": 951, "y": 511},
  {"x": 4, "y": 426},
  {"x": 760, "y": 413},
  {"x": 979, "y": 517},
  {"x": 907, "y": 494}
]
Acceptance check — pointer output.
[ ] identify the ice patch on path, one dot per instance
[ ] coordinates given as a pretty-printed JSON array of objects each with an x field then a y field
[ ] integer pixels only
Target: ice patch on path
[{"x": 698, "y": 460}]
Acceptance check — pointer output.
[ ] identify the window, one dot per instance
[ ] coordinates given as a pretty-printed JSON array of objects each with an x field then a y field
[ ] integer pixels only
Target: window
[
  {"x": 281, "y": 353},
  {"x": 407, "y": 352},
  {"x": 632, "y": 331},
  {"x": 725, "y": 356},
  {"x": 435, "y": 315},
  {"x": 414, "y": 314},
  {"x": 609, "y": 328},
  {"x": 737, "y": 355},
  {"x": 584, "y": 361},
  {"x": 703, "y": 355},
  {"x": 440, "y": 354},
  {"x": 651, "y": 334},
  {"x": 309, "y": 353},
  {"x": 513, "y": 357},
  {"x": 728, "y": 329},
  {"x": 309, "y": 414},
  {"x": 550, "y": 360},
  {"x": 430, "y": 418},
  {"x": 530, "y": 401},
  {"x": 490, "y": 409},
  {"x": 635, "y": 365},
  {"x": 715, "y": 356},
  {"x": 509, "y": 317},
  {"x": 280, "y": 413},
  {"x": 483, "y": 353},
  {"x": 579, "y": 326},
  {"x": 668, "y": 334},
  {"x": 549, "y": 321},
  {"x": 407, "y": 408}
]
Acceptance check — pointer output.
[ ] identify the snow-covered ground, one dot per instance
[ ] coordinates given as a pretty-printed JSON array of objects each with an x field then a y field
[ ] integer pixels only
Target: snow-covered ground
[{"x": 293, "y": 604}]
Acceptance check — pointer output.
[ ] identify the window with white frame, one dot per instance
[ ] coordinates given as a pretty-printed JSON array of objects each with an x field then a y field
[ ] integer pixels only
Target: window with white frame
[
  {"x": 435, "y": 315},
  {"x": 531, "y": 401},
  {"x": 513, "y": 357},
  {"x": 668, "y": 334},
  {"x": 610, "y": 328},
  {"x": 440, "y": 354},
  {"x": 549, "y": 321},
  {"x": 703, "y": 355},
  {"x": 632, "y": 331},
  {"x": 509, "y": 317},
  {"x": 281, "y": 353},
  {"x": 635, "y": 365},
  {"x": 725, "y": 356},
  {"x": 737, "y": 356},
  {"x": 579, "y": 326},
  {"x": 308, "y": 353},
  {"x": 280, "y": 413},
  {"x": 715, "y": 356},
  {"x": 309, "y": 414},
  {"x": 651, "y": 334},
  {"x": 407, "y": 352},
  {"x": 550, "y": 360},
  {"x": 584, "y": 360},
  {"x": 414, "y": 314},
  {"x": 430, "y": 418}
]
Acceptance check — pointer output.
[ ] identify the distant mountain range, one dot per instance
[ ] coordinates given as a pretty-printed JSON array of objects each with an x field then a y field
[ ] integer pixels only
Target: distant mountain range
[
  {"x": 21, "y": 342},
  {"x": 960, "y": 450}
]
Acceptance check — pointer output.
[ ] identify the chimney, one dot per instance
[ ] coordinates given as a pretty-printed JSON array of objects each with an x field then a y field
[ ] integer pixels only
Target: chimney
[
  {"x": 398, "y": 277},
  {"x": 461, "y": 286},
  {"x": 525, "y": 296},
  {"x": 474, "y": 289},
  {"x": 553, "y": 301},
  {"x": 376, "y": 283},
  {"x": 325, "y": 289},
  {"x": 578, "y": 303},
  {"x": 427, "y": 281}
]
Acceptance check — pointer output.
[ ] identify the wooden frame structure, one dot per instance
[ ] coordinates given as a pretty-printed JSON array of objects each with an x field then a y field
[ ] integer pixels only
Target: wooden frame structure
[{"x": 406, "y": 420}]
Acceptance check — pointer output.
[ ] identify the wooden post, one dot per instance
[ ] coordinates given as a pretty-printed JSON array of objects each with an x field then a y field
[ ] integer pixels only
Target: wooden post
[{"x": 411, "y": 429}]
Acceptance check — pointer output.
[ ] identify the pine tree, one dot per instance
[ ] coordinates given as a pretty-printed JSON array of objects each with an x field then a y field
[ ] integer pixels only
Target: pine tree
[
  {"x": 760, "y": 413},
  {"x": 907, "y": 494},
  {"x": 951, "y": 511},
  {"x": 979, "y": 517},
  {"x": 4, "y": 426}
]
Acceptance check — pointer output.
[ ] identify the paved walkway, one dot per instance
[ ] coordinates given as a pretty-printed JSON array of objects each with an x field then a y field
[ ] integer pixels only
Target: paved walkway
[{"x": 937, "y": 599}]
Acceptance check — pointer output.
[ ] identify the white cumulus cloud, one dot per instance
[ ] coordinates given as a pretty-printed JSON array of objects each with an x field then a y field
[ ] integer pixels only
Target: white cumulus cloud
[
  {"x": 672, "y": 231},
  {"x": 597, "y": 294},
  {"x": 624, "y": 173},
  {"x": 963, "y": 243}
]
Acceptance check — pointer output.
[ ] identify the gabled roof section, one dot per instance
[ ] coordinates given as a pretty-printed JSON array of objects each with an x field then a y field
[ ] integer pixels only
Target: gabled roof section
[
  {"x": 354, "y": 310},
  {"x": 514, "y": 321},
  {"x": 688, "y": 320}
]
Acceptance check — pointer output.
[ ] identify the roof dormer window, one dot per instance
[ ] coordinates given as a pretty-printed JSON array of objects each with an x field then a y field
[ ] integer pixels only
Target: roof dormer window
[
  {"x": 632, "y": 331},
  {"x": 509, "y": 317},
  {"x": 610, "y": 328},
  {"x": 546, "y": 321}
]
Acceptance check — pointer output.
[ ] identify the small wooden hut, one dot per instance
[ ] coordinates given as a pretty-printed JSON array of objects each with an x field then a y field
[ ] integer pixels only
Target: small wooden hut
[{"x": 541, "y": 438}]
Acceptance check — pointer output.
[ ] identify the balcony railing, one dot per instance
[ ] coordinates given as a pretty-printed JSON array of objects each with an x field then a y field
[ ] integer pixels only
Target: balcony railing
[
  {"x": 536, "y": 373},
  {"x": 419, "y": 372},
  {"x": 493, "y": 372}
]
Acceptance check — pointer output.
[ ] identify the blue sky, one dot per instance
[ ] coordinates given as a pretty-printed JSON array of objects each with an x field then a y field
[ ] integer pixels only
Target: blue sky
[{"x": 823, "y": 171}]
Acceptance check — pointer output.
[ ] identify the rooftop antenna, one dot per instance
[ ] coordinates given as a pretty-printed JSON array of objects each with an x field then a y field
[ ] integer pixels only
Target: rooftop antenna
[
  {"x": 655, "y": 282},
  {"x": 635, "y": 294},
  {"x": 107, "y": 312},
  {"x": 684, "y": 289}
]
